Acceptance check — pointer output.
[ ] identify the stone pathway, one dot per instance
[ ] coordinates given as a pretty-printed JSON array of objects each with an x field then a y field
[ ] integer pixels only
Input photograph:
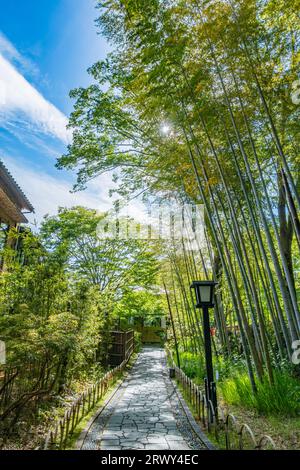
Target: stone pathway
[{"x": 145, "y": 412}]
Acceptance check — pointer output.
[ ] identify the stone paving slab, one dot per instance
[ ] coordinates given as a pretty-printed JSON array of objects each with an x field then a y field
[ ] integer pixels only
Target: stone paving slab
[{"x": 144, "y": 414}]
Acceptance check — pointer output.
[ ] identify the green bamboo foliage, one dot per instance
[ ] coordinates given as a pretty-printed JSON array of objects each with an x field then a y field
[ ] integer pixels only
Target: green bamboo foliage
[{"x": 220, "y": 74}]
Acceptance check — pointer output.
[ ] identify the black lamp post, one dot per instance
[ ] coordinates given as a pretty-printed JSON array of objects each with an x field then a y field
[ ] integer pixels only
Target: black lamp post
[{"x": 204, "y": 291}]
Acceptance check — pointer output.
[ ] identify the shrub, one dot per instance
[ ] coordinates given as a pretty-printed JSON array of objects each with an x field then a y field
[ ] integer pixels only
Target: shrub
[{"x": 193, "y": 365}]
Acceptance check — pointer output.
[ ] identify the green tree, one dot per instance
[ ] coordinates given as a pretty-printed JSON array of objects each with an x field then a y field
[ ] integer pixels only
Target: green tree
[{"x": 219, "y": 74}]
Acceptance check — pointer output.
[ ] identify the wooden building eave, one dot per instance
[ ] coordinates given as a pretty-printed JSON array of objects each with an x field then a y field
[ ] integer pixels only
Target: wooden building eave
[
  {"x": 13, "y": 190},
  {"x": 9, "y": 213}
]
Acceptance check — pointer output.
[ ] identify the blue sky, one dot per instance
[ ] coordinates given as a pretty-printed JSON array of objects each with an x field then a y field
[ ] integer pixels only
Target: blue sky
[{"x": 46, "y": 47}]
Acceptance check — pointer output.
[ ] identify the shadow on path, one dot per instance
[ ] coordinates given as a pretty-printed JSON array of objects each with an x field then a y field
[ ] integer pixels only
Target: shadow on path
[{"x": 145, "y": 412}]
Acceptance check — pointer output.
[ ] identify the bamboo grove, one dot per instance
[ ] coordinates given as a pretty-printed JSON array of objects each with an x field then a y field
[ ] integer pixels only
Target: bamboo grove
[{"x": 221, "y": 76}]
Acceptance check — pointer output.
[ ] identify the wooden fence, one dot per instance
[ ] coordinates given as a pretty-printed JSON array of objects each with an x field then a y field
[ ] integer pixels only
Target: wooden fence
[
  {"x": 57, "y": 438},
  {"x": 121, "y": 346},
  {"x": 224, "y": 426},
  {"x": 151, "y": 334}
]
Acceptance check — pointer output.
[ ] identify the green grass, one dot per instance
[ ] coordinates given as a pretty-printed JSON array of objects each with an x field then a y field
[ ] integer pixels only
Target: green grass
[
  {"x": 281, "y": 397},
  {"x": 274, "y": 410},
  {"x": 193, "y": 366}
]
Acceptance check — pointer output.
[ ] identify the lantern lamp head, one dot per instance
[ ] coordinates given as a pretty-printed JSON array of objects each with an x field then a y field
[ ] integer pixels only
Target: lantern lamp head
[{"x": 204, "y": 291}]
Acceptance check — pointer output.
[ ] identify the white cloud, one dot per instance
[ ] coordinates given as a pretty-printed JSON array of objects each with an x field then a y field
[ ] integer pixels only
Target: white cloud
[
  {"x": 18, "y": 98},
  {"x": 25, "y": 113},
  {"x": 8, "y": 50},
  {"x": 47, "y": 193}
]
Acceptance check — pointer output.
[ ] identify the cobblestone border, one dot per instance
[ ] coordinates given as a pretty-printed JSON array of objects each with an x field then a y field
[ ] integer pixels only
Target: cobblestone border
[
  {"x": 91, "y": 434},
  {"x": 194, "y": 431},
  {"x": 186, "y": 422}
]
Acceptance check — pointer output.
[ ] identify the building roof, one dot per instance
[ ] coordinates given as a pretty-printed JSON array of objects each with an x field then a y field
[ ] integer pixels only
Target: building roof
[{"x": 12, "y": 199}]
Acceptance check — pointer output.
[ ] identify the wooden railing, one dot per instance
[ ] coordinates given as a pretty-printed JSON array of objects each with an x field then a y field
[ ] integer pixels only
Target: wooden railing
[
  {"x": 224, "y": 426},
  {"x": 58, "y": 437},
  {"x": 121, "y": 346}
]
